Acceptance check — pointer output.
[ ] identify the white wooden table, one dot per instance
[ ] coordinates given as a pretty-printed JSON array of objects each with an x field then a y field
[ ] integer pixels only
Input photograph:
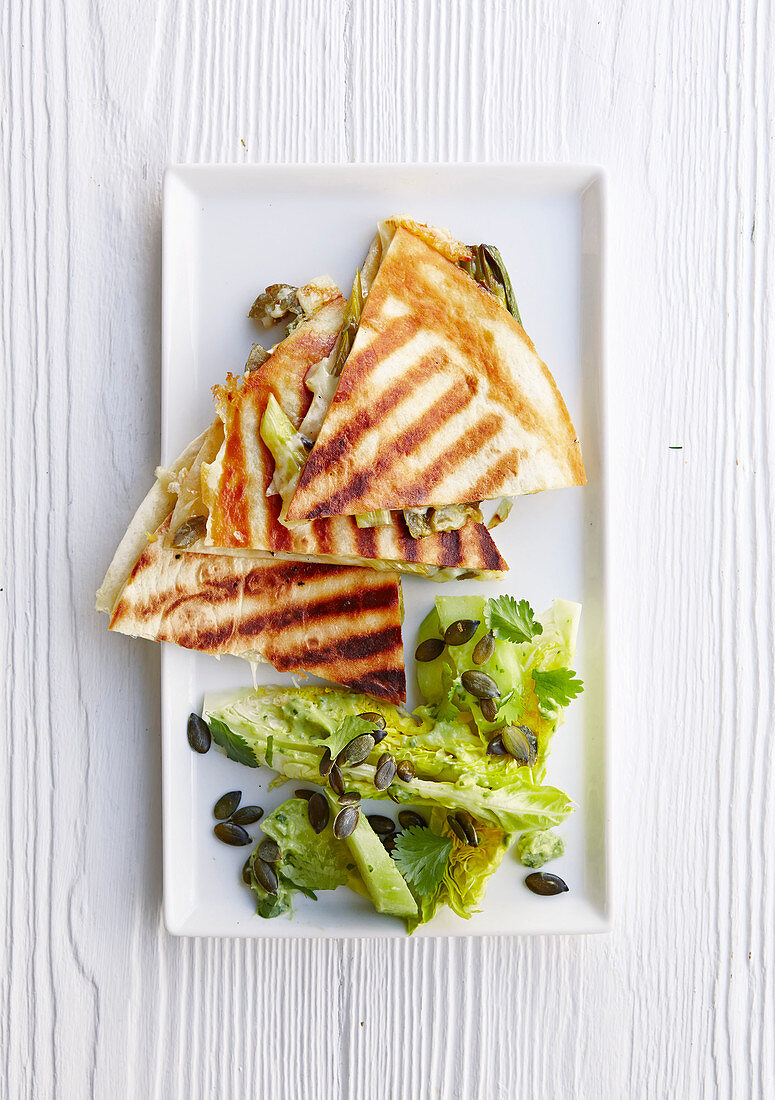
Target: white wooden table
[{"x": 678, "y": 101}]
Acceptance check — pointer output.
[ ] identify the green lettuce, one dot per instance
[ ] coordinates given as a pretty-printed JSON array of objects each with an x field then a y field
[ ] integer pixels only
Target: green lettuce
[
  {"x": 287, "y": 450},
  {"x": 511, "y": 666},
  {"x": 452, "y": 768}
]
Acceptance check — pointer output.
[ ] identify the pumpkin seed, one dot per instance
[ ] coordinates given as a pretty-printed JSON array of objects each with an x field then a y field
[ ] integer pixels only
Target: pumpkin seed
[
  {"x": 265, "y": 876},
  {"x": 457, "y": 828},
  {"x": 247, "y": 815},
  {"x": 232, "y": 834},
  {"x": 275, "y": 304},
  {"x": 258, "y": 356},
  {"x": 318, "y": 812},
  {"x": 336, "y": 780},
  {"x": 545, "y": 883},
  {"x": 198, "y": 731},
  {"x": 480, "y": 685},
  {"x": 349, "y": 798},
  {"x": 379, "y": 735},
  {"x": 521, "y": 743},
  {"x": 393, "y": 797},
  {"x": 495, "y": 746},
  {"x": 489, "y": 709},
  {"x": 326, "y": 762},
  {"x": 269, "y": 850},
  {"x": 465, "y": 820},
  {"x": 346, "y": 821},
  {"x": 226, "y": 805},
  {"x": 385, "y": 772},
  {"x": 405, "y": 770},
  {"x": 408, "y": 818},
  {"x": 429, "y": 650},
  {"x": 460, "y": 632},
  {"x": 483, "y": 649},
  {"x": 372, "y": 716},
  {"x": 382, "y": 826},
  {"x": 356, "y": 751},
  {"x": 189, "y": 532},
  {"x": 389, "y": 843},
  {"x": 302, "y": 792},
  {"x": 246, "y": 877}
]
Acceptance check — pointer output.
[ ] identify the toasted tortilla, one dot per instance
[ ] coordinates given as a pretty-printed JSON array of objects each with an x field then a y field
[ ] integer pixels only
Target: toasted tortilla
[
  {"x": 157, "y": 505},
  {"x": 242, "y": 519},
  {"x": 442, "y": 400},
  {"x": 338, "y": 622}
]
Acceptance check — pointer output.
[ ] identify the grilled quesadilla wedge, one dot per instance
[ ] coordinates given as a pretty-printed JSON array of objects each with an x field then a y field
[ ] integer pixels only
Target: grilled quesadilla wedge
[
  {"x": 341, "y": 623},
  {"x": 233, "y": 497},
  {"x": 442, "y": 399}
]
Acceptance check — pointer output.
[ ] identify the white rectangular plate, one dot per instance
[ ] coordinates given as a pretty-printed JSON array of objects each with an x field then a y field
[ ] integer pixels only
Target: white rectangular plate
[{"x": 229, "y": 232}]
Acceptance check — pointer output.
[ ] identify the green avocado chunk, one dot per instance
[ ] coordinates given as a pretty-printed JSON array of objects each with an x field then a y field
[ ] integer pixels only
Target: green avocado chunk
[
  {"x": 537, "y": 847},
  {"x": 384, "y": 882}
]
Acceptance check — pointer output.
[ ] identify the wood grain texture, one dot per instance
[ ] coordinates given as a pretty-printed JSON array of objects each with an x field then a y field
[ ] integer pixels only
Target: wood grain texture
[{"x": 678, "y": 102}]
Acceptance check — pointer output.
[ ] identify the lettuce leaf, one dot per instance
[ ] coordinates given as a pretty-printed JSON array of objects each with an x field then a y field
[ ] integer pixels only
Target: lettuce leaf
[
  {"x": 452, "y": 768},
  {"x": 552, "y": 647}
]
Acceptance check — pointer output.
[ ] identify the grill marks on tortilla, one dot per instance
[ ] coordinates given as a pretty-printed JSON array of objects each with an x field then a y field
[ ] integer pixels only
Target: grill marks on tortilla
[
  {"x": 358, "y": 646},
  {"x": 386, "y": 684},
  {"x": 230, "y": 524},
  {"x": 508, "y": 461},
  {"x": 245, "y": 517},
  {"x": 450, "y": 459},
  {"x": 489, "y": 551},
  {"x": 404, "y": 443},
  {"x": 338, "y": 622},
  {"x": 452, "y": 546},
  {"x": 379, "y": 447},
  {"x": 366, "y": 419},
  {"x": 316, "y": 610}
]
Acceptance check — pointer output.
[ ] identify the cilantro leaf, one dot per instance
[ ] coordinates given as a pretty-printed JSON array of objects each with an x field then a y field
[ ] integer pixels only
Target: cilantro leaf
[
  {"x": 235, "y": 747},
  {"x": 422, "y": 858},
  {"x": 513, "y": 621},
  {"x": 555, "y": 689}
]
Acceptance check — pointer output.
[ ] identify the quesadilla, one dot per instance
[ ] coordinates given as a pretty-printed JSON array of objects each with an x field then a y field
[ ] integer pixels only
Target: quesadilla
[
  {"x": 235, "y": 494},
  {"x": 338, "y": 622},
  {"x": 442, "y": 401}
]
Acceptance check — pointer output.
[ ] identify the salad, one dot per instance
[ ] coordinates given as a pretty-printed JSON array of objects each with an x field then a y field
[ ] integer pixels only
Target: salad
[{"x": 465, "y": 772}]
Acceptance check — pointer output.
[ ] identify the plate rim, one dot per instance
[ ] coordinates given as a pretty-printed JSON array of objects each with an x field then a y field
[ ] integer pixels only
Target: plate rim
[{"x": 581, "y": 177}]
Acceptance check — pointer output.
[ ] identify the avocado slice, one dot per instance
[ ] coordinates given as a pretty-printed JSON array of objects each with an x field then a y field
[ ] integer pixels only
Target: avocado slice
[
  {"x": 385, "y": 883},
  {"x": 433, "y": 677},
  {"x": 452, "y": 608}
]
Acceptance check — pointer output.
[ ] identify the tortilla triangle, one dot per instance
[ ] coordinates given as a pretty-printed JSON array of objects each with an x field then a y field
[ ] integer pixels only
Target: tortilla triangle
[
  {"x": 442, "y": 400},
  {"x": 338, "y": 622}
]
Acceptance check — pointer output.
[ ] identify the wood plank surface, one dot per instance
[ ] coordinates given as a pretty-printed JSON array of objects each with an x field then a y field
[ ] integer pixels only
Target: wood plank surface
[{"x": 678, "y": 102}]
